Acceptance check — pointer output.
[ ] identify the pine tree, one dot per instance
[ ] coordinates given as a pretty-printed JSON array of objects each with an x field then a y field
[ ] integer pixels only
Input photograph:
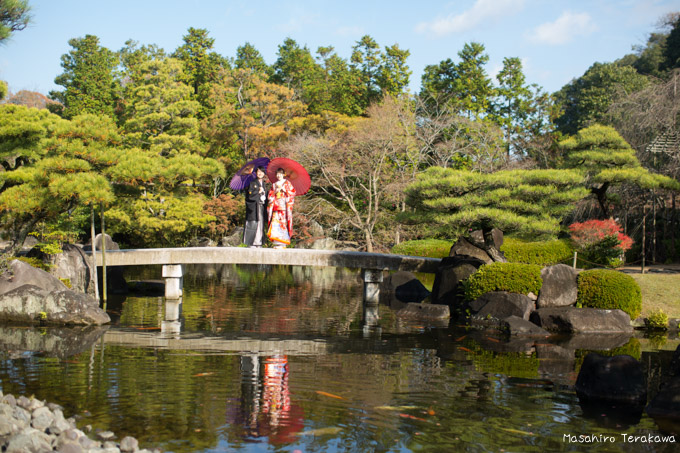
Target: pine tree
[
  {"x": 606, "y": 159},
  {"x": 526, "y": 202}
]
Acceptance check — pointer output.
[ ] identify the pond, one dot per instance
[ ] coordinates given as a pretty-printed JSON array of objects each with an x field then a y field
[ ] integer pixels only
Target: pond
[{"x": 276, "y": 358}]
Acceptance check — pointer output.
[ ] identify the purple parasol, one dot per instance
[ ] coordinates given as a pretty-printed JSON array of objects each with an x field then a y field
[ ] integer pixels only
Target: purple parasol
[{"x": 242, "y": 178}]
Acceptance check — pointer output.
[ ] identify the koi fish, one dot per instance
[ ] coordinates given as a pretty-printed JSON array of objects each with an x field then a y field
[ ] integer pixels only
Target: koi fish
[
  {"x": 461, "y": 338},
  {"x": 412, "y": 417},
  {"x": 330, "y": 395},
  {"x": 462, "y": 348},
  {"x": 203, "y": 374},
  {"x": 395, "y": 408},
  {"x": 517, "y": 431}
]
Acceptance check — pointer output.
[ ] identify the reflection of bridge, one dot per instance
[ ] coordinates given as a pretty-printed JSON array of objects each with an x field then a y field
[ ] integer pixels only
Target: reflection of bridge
[{"x": 240, "y": 345}]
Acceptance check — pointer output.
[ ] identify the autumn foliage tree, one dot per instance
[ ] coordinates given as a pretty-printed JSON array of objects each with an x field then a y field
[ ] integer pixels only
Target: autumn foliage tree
[
  {"x": 355, "y": 169},
  {"x": 600, "y": 241}
]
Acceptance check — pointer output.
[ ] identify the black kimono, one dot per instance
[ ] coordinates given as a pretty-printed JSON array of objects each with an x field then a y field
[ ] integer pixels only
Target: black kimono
[{"x": 256, "y": 214}]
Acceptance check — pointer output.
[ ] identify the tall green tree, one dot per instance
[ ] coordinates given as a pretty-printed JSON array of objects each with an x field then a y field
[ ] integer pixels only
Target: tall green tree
[
  {"x": 585, "y": 100},
  {"x": 14, "y": 16},
  {"x": 336, "y": 87},
  {"x": 526, "y": 202},
  {"x": 672, "y": 47},
  {"x": 465, "y": 84},
  {"x": 366, "y": 61},
  {"x": 296, "y": 69},
  {"x": 475, "y": 88},
  {"x": 88, "y": 79},
  {"x": 162, "y": 115},
  {"x": 394, "y": 71},
  {"x": 248, "y": 57},
  {"x": 605, "y": 159},
  {"x": 201, "y": 66}
]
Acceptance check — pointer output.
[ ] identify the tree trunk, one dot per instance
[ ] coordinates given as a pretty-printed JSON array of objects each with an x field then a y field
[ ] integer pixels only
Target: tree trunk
[
  {"x": 601, "y": 195},
  {"x": 369, "y": 241},
  {"x": 18, "y": 236}
]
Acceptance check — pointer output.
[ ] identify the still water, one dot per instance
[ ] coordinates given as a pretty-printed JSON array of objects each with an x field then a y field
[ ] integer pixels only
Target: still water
[{"x": 277, "y": 359}]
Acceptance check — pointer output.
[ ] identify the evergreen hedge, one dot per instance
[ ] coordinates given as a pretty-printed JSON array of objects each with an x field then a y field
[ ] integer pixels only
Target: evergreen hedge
[
  {"x": 430, "y": 248},
  {"x": 543, "y": 253},
  {"x": 609, "y": 289},
  {"x": 511, "y": 277}
]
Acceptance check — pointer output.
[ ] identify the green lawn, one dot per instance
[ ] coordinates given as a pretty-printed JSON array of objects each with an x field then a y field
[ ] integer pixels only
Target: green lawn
[{"x": 659, "y": 291}]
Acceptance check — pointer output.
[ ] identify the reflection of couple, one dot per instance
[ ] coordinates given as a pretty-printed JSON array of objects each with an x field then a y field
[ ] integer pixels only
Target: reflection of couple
[
  {"x": 269, "y": 412},
  {"x": 281, "y": 198}
]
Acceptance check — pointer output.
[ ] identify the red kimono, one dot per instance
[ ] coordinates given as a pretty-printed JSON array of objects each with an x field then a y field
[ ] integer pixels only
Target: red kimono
[{"x": 280, "y": 210}]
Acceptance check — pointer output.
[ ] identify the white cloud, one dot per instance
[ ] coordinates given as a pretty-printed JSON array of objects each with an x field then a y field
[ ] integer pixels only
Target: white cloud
[
  {"x": 350, "y": 31},
  {"x": 482, "y": 10},
  {"x": 568, "y": 26}
]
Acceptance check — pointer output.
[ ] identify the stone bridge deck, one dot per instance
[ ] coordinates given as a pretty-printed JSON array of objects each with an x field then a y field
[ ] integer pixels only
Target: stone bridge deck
[{"x": 292, "y": 257}]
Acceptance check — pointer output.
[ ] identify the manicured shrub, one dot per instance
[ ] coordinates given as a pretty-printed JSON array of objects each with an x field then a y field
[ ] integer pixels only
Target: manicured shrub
[
  {"x": 657, "y": 320},
  {"x": 543, "y": 253},
  {"x": 431, "y": 248},
  {"x": 609, "y": 289},
  {"x": 510, "y": 277}
]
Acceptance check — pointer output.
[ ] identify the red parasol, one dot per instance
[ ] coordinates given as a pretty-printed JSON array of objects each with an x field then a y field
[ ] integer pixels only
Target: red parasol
[
  {"x": 242, "y": 178},
  {"x": 295, "y": 173}
]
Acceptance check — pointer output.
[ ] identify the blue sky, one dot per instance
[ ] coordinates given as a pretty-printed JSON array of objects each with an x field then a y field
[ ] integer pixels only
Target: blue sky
[{"x": 557, "y": 40}]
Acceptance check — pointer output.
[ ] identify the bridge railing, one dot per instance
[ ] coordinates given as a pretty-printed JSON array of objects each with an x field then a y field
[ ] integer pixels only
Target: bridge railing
[{"x": 292, "y": 257}]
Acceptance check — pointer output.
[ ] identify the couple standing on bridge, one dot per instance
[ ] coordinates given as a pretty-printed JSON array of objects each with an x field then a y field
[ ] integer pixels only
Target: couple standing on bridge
[{"x": 269, "y": 213}]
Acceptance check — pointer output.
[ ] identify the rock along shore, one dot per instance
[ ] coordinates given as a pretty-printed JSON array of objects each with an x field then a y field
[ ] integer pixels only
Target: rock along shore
[{"x": 28, "y": 425}]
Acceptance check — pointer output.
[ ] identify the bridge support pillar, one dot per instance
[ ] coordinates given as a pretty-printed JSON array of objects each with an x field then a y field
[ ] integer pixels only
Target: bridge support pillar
[
  {"x": 372, "y": 279},
  {"x": 174, "y": 281}
]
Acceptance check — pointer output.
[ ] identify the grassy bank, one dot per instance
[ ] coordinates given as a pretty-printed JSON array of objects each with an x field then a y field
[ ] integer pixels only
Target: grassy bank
[{"x": 659, "y": 291}]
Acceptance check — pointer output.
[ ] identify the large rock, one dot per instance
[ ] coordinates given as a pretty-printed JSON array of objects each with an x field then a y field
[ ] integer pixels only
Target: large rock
[
  {"x": 32, "y": 305},
  {"x": 614, "y": 380},
  {"x": 424, "y": 312},
  {"x": 202, "y": 242},
  {"x": 323, "y": 244},
  {"x": 585, "y": 320},
  {"x": 501, "y": 304},
  {"x": 234, "y": 239},
  {"x": 463, "y": 247},
  {"x": 450, "y": 273},
  {"x": 516, "y": 325},
  {"x": 404, "y": 286},
  {"x": 477, "y": 238},
  {"x": 72, "y": 264},
  {"x": 559, "y": 287},
  {"x": 99, "y": 241},
  {"x": 20, "y": 274}
]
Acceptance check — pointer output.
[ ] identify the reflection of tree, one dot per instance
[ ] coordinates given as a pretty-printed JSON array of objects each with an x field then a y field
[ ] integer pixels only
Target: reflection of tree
[{"x": 270, "y": 299}]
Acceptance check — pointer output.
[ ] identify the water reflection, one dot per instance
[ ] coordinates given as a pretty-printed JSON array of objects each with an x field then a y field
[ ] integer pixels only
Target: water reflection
[
  {"x": 59, "y": 342},
  {"x": 281, "y": 363}
]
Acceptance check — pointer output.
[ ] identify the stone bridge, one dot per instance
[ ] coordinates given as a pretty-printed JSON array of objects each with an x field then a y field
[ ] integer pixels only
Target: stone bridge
[{"x": 172, "y": 259}]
